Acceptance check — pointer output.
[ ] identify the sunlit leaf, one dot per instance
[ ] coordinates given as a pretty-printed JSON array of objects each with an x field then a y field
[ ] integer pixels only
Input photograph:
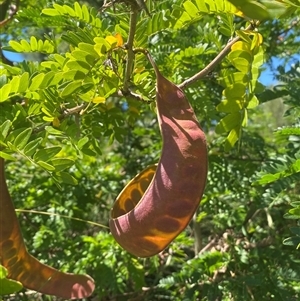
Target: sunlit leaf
[
  {"x": 16, "y": 46},
  {"x": 15, "y": 82},
  {"x": 53, "y": 131},
  {"x": 72, "y": 87},
  {"x": 252, "y": 9},
  {"x": 232, "y": 105},
  {"x": 8, "y": 286},
  {"x": 229, "y": 122},
  {"x": 46, "y": 165},
  {"x": 50, "y": 12},
  {"x": 4, "y": 92},
  {"x": 82, "y": 142},
  {"x": 36, "y": 81},
  {"x": 235, "y": 91},
  {"x": 253, "y": 102},
  {"x": 99, "y": 99},
  {"x": 191, "y": 8},
  {"x": 7, "y": 156},
  {"x": 24, "y": 81}
]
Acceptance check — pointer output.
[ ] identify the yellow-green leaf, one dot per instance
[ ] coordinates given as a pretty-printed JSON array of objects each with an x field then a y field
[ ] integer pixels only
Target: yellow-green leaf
[
  {"x": 235, "y": 91},
  {"x": 45, "y": 165},
  {"x": 232, "y": 105},
  {"x": 232, "y": 138},
  {"x": 98, "y": 99},
  {"x": 228, "y": 122}
]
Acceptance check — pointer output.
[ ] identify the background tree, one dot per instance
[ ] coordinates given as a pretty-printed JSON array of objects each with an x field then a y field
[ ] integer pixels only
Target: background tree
[{"x": 78, "y": 121}]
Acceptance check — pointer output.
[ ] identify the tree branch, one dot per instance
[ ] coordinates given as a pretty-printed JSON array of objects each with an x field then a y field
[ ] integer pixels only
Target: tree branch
[
  {"x": 129, "y": 46},
  {"x": 206, "y": 70},
  {"x": 72, "y": 111},
  {"x": 11, "y": 15},
  {"x": 130, "y": 94}
]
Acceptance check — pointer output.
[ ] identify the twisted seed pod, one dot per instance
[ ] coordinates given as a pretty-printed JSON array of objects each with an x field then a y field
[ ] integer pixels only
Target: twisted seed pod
[
  {"x": 23, "y": 267},
  {"x": 144, "y": 220}
]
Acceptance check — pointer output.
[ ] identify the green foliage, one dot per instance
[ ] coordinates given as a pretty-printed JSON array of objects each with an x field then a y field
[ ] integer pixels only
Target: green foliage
[
  {"x": 8, "y": 286},
  {"x": 75, "y": 136},
  {"x": 34, "y": 45},
  {"x": 241, "y": 87},
  {"x": 261, "y": 10}
]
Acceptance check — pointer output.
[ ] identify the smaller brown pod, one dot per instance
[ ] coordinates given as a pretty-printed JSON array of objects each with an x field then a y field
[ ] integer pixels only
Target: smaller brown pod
[
  {"x": 145, "y": 219},
  {"x": 25, "y": 268}
]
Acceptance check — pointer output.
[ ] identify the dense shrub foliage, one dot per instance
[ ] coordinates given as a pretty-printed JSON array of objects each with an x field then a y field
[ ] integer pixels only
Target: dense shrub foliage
[{"x": 78, "y": 121}]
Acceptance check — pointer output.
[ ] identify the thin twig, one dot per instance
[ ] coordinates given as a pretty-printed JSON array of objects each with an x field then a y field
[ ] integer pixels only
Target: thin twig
[
  {"x": 206, "y": 70},
  {"x": 208, "y": 246},
  {"x": 129, "y": 46},
  {"x": 61, "y": 215},
  {"x": 135, "y": 96},
  {"x": 72, "y": 111},
  {"x": 293, "y": 24}
]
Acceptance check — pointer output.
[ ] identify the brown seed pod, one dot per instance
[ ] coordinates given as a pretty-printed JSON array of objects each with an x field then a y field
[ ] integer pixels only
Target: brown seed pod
[
  {"x": 23, "y": 267},
  {"x": 144, "y": 220}
]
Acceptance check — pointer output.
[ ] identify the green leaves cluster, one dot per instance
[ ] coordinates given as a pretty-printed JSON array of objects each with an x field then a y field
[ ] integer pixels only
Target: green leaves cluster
[
  {"x": 20, "y": 141},
  {"x": 79, "y": 12},
  {"x": 76, "y": 72},
  {"x": 31, "y": 46},
  {"x": 68, "y": 117},
  {"x": 194, "y": 10},
  {"x": 265, "y": 9},
  {"x": 241, "y": 87}
]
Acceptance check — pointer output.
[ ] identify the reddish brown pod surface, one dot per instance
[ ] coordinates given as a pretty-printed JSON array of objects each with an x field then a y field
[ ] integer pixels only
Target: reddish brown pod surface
[
  {"x": 155, "y": 207},
  {"x": 23, "y": 267}
]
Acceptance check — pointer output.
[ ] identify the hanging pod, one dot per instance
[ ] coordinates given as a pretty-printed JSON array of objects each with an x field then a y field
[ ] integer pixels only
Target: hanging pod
[
  {"x": 23, "y": 267},
  {"x": 159, "y": 202}
]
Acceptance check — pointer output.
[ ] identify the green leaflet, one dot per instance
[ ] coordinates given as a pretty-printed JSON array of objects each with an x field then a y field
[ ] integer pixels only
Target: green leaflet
[
  {"x": 4, "y": 128},
  {"x": 46, "y": 154},
  {"x": 34, "y": 46},
  {"x": 36, "y": 81},
  {"x": 61, "y": 164},
  {"x": 193, "y": 10},
  {"x": 240, "y": 87},
  {"x": 18, "y": 84},
  {"x": 8, "y": 286},
  {"x": 260, "y": 10},
  {"x": 22, "y": 138},
  {"x": 64, "y": 177},
  {"x": 46, "y": 165},
  {"x": 229, "y": 122},
  {"x": 77, "y": 12},
  {"x": 32, "y": 146},
  {"x": 287, "y": 131},
  {"x": 288, "y": 171}
]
